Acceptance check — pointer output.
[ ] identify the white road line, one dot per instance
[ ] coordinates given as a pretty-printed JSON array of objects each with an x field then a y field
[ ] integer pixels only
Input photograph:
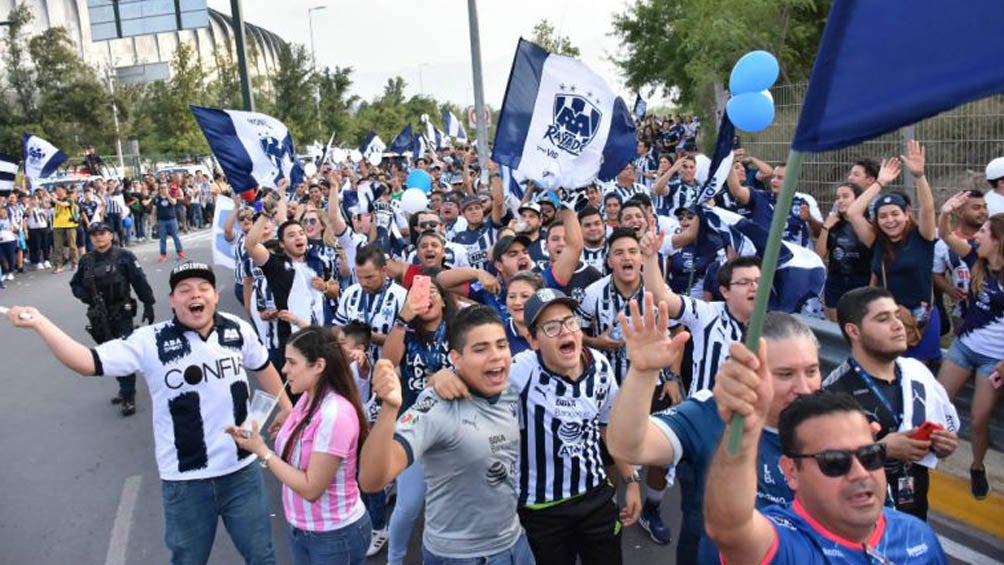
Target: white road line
[
  {"x": 964, "y": 554},
  {"x": 119, "y": 541}
]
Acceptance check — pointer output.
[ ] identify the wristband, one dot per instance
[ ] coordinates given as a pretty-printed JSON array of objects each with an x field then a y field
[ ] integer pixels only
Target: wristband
[{"x": 882, "y": 186}]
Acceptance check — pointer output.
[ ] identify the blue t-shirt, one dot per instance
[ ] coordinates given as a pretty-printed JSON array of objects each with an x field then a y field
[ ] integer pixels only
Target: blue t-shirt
[
  {"x": 761, "y": 206},
  {"x": 517, "y": 343},
  {"x": 694, "y": 428},
  {"x": 478, "y": 293},
  {"x": 908, "y": 275},
  {"x": 898, "y": 538},
  {"x": 165, "y": 210},
  {"x": 687, "y": 267}
]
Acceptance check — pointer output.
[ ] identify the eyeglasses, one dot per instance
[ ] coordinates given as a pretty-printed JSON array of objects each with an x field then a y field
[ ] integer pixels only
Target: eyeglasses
[
  {"x": 552, "y": 328},
  {"x": 429, "y": 225},
  {"x": 745, "y": 282},
  {"x": 311, "y": 221},
  {"x": 837, "y": 462}
]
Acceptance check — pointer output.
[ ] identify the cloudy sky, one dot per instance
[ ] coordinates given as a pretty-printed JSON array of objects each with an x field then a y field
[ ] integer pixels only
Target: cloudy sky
[{"x": 427, "y": 41}]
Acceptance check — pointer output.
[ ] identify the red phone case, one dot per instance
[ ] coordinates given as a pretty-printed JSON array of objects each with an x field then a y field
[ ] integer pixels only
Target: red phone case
[{"x": 924, "y": 431}]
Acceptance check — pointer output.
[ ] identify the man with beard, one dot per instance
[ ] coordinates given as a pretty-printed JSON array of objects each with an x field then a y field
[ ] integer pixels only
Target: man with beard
[
  {"x": 594, "y": 235},
  {"x": 298, "y": 279},
  {"x": 897, "y": 394},
  {"x": 426, "y": 254},
  {"x": 530, "y": 224},
  {"x": 950, "y": 273},
  {"x": 375, "y": 300}
]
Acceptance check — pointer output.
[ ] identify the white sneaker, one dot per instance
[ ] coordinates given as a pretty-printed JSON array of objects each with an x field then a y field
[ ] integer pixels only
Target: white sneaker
[
  {"x": 10, "y": 276},
  {"x": 377, "y": 540},
  {"x": 48, "y": 265},
  {"x": 39, "y": 266}
]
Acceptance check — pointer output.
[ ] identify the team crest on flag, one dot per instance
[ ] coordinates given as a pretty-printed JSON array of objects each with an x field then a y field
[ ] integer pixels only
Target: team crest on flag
[{"x": 576, "y": 121}]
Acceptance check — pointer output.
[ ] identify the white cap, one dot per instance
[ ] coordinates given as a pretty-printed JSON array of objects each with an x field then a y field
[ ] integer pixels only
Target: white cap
[{"x": 995, "y": 169}]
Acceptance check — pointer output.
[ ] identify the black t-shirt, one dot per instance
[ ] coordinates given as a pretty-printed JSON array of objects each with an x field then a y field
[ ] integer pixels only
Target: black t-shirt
[
  {"x": 165, "y": 210},
  {"x": 849, "y": 257}
]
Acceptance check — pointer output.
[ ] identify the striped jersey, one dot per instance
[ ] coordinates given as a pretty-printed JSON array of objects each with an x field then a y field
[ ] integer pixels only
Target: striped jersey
[
  {"x": 263, "y": 299},
  {"x": 712, "y": 329},
  {"x": 624, "y": 192},
  {"x": 242, "y": 261},
  {"x": 377, "y": 310},
  {"x": 598, "y": 310},
  {"x": 333, "y": 429},
  {"x": 596, "y": 258},
  {"x": 479, "y": 243},
  {"x": 560, "y": 422}
]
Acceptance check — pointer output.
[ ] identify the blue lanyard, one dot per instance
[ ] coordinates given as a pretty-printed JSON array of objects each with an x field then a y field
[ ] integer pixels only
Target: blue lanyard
[
  {"x": 897, "y": 418},
  {"x": 367, "y": 306}
]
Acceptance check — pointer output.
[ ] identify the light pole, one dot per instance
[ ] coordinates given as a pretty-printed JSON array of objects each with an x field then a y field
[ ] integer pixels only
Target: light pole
[
  {"x": 310, "y": 20},
  {"x": 421, "y": 83},
  {"x": 479, "y": 89}
]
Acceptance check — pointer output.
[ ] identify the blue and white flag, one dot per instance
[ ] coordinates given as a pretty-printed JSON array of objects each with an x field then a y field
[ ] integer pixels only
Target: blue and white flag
[
  {"x": 721, "y": 162},
  {"x": 640, "y": 106},
  {"x": 561, "y": 117},
  {"x": 327, "y": 150},
  {"x": 253, "y": 149},
  {"x": 373, "y": 144},
  {"x": 453, "y": 126},
  {"x": 442, "y": 140},
  {"x": 800, "y": 275},
  {"x": 8, "y": 170},
  {"x": 402, "y": 141},
  {"x": 41, "y": 158}
]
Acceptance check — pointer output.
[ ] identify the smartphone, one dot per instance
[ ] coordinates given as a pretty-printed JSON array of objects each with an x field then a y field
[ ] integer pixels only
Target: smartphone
[
  {"x": 996, "y": 379},
  {"x": 420, "y": 286},
  {"x": 923, "y": 432}
]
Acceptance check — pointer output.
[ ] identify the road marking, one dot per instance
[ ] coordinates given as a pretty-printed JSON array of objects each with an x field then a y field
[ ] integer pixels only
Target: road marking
[
  {"x": 964, "y": 554},
  {"x": 119, "y": 541}
]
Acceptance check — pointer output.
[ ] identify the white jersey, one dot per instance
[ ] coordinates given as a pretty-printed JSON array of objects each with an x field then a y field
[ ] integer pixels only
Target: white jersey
[
  {"x": 712, "y": 329},
  {"x": 198, "y": 388},
  {"x": 377, "y": 310},
  {"x": 455, "y": 256}
]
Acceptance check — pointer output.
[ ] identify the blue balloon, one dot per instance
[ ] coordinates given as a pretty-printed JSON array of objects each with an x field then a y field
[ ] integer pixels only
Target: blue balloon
[
  {"x": 754, "y": 71},
  {"x": 127, "y": 222},
  {"x": 751, "y": 112},
  {"x": 419, "y": 179}
]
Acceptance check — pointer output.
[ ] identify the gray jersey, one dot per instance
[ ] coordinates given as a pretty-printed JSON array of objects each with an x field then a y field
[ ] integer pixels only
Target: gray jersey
[{"x": 469, "y": 449}]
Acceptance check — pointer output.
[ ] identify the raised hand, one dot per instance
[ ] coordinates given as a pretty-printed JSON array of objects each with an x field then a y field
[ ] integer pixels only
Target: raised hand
[
  {"x": 916, "y": 156},
  {"x": 744, "y": 386},
  {"x": 955, "y": 202},
  {"x": 889, "y": 171},
  {"x": 649, "y": 346},
  {"x": 386, "y": 384}
]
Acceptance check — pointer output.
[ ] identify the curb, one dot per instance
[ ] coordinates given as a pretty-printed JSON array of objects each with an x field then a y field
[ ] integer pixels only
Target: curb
[{"x": 950, "y": 496}]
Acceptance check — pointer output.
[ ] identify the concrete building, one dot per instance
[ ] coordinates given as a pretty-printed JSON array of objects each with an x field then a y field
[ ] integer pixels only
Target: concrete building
[{"x": 262, "y": 45}]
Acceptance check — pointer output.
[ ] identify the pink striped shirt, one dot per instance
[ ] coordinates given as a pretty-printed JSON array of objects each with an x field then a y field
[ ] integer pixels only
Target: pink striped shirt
[{"x": 334, "y": 429}]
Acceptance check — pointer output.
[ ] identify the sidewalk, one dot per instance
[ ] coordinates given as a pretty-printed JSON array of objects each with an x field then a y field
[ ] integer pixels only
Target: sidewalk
[{"x": 950, "y": 495}]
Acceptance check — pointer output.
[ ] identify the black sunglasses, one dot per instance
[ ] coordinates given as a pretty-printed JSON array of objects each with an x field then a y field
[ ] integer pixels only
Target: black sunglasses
[
  {"x": 837, "y": 462},
  {"x": 429, "y": 225}
]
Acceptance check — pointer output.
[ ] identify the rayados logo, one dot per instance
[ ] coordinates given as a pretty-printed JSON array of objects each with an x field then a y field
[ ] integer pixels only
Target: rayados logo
[{"x": 576, "y": 121}]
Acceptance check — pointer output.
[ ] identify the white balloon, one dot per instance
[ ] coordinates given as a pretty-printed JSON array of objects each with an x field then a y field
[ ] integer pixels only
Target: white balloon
[
  {"x": 338, "y": 155},
  {"x": 374, "y": 159},
  {"x": 768, "y": 95},
  {"x": 703, "y": 166},
  {"x": 310, "y": 169},
  {"x": 355, "y": 156},
  {"x": 414, "y": 200}
]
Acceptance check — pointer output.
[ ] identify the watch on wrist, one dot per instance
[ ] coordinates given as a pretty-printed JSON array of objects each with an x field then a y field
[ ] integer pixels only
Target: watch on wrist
[
  {"x": 632, "y": 478},
  {"x": 268, "y": 455}
]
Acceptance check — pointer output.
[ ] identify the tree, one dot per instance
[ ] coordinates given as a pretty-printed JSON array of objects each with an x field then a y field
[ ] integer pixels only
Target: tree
[
  {"x": 174, "y": 129},
  {"x": 19, "y": 109},
  {"x": 225, "y": 90},
  {"x": 684, "y": 47},
  {"x": 336, "y": 103},
  {"x": 545, "y": 36},
  {"x": 294, "y": 94}
]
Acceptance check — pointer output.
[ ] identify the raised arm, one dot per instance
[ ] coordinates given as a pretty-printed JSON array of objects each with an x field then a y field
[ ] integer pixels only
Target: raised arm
[
  {"x": 958, "y": 245},
  {"x": 743, "y": 387},
  {"x": 855, "y": 213},
  {"x": 564, "y": 266},
  {"x": 252, "y": 242},
  {"x": 738, "y": 190},
  {"x": 228, "y": 227},
  {"x": 916, "y": 156},
  {"x": 74, "y": 355},
  {"x": 383, "y": 458},
  {"x": 335, "y": 218},
  {"x": 661, "y": 185},
  {"x": 498, "y": 195},
  {"x": 652, "y": 276}
]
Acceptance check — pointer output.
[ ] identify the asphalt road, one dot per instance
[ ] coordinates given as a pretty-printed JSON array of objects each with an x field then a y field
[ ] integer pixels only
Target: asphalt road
[{"x": 79, "y": 482}]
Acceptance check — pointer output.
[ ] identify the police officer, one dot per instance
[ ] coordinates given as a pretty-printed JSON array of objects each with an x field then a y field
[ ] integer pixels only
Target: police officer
[{"x": 102, "y": 283}]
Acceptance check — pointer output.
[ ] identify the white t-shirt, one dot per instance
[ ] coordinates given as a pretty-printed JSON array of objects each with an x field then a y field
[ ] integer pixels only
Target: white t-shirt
[
  {"x": 995, "y": 202},
  {"x": 197, "y": 389}
]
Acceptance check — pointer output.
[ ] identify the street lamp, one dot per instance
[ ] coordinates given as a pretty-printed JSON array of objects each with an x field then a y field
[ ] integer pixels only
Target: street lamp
[
  {"x": 310, "y": 20},
  {"x": 421, "y": 83}
]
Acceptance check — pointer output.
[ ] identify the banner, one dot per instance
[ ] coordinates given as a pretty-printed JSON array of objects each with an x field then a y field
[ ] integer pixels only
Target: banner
[
  {"x": 41, "y": 158},
  {"x": 223, "y": 250}
]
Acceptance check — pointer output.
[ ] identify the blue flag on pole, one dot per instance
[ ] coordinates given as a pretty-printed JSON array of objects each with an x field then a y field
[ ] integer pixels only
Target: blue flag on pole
[
  {"x": 640, "y": 106},
  {"x": 253, "y": 149},
  {"x": 402, "y": 141},
  {"x": 41, "y": 158},
  {"x": 721, "y": 162},
  {"x": 372, "y": 144},
  {"x": 560, "y": 117},
  {"x": 878, "y": 69}
]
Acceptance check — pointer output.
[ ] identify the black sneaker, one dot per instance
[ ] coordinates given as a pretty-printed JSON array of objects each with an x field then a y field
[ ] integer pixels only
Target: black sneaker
[
  {"x": 117, "y": 400},
  {"x": 978, "y": 483},
  {"x": 128, "y": 407}
]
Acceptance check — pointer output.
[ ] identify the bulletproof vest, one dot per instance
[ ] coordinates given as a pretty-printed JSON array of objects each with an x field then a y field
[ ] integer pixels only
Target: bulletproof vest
[{"x": 110, "y": 278}]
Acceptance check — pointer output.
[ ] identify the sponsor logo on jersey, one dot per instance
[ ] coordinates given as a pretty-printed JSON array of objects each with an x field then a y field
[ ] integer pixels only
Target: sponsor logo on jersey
[
  {"x": 424, "y": 404},
  {"x": 916, "y": 550}
]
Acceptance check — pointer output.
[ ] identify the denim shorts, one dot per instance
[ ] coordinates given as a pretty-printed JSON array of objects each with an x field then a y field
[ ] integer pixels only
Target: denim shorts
[{"x": 969, "y": 360}]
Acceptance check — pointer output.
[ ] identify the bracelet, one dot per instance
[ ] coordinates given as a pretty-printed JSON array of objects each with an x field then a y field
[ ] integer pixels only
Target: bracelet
[
  {"x": 264, "y": 460},
  {"x": 882, "y": 186}
]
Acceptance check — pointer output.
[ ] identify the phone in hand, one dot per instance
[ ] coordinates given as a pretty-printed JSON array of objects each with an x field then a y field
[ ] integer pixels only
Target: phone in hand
[
  {"x": 421, "y": 286},
  {"x": 923, "y": 432}
]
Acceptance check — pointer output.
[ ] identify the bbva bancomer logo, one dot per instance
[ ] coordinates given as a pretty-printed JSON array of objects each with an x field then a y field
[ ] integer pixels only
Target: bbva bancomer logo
[{"x": 576, "y": 121}]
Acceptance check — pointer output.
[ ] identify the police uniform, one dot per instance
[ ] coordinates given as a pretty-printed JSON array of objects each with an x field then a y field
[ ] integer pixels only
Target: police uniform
[{"x": 103, "y": 282}]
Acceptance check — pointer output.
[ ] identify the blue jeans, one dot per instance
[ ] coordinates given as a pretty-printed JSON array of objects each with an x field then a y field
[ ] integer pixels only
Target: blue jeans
[
  {"x": 410, "y": 495},
  {"x": 518, "y": 554},
  {"x": 344, "y": 546},
  {"x": 192, "y": 509},
  {"x": 168, "y": 228},
  {"x": 376, "y": 507}
]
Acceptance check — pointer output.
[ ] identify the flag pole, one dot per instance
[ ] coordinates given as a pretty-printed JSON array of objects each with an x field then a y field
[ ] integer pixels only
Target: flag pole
[{"x": 768, "y": 266}]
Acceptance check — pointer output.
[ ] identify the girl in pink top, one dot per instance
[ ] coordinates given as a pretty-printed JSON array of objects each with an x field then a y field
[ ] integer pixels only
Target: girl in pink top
[{"x": 318, "y": 447}]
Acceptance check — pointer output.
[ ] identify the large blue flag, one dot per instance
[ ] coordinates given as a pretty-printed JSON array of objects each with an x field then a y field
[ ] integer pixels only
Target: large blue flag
[
  {"x": 402, "y": 141},
  {"x": 881, "y": 66},
  {"x": 41, "y": 158},
  {"x": 453, "y": 126},
  {"x": 253, "y": 149},
  {"x": 559, "y": 117}
]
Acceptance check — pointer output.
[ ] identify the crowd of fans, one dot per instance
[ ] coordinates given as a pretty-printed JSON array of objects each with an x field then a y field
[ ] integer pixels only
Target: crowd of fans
[{"x": 383, "y": 321}]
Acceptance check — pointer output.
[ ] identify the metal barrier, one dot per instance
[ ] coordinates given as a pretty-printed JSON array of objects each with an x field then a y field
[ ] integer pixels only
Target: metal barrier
[{"x": 833, "y": 350}]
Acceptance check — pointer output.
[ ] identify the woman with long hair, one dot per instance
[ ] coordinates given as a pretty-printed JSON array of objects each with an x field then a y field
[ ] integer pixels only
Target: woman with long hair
[
  {"x": 318, "y": 448},
  {"x": 979, "y": 348},
  {"x": 418, "y": 345},
  {"x": 903, "y": 247},
  {"x": 849, "y": 259}
]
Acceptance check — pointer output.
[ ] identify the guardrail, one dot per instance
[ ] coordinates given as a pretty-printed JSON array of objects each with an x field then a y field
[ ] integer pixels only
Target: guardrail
[{"x": 833, "y": 350}]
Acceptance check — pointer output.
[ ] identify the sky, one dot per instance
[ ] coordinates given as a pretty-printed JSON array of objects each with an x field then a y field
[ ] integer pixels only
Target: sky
[{"x": 427, "y": 41}]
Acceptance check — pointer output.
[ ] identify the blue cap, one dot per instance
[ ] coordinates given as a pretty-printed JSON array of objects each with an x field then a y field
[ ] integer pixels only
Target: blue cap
[{"x": 543, "y": 298}]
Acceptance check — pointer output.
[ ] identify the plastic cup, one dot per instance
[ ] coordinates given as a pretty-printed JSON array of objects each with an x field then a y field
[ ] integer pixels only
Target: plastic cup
[{"x": 262, "y": 404}]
